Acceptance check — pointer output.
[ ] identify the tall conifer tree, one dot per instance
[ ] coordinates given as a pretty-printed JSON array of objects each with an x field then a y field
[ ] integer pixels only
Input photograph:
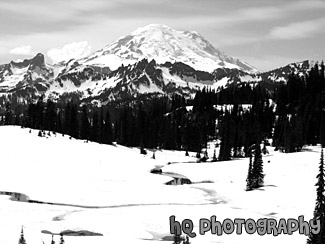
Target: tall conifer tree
[
  {"x": 22, "y": 238},
  {"x": 257, "y": 170},
  {"x": 319, "y": 212}
]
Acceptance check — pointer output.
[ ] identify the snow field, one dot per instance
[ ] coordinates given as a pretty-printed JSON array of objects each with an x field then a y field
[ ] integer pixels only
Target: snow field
[{"x": 119, "y": 197}]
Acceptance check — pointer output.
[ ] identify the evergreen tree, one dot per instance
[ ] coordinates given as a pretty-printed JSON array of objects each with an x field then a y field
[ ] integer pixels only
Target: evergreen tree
[
  {"x": 61, "y": 239},
  {"x": 101, "y": 126},
  {"x": 8, "y": 115},
  {"x": 249, "y": 185},
  {"x": 52, "y": 242},
  {"x": 257, "y": 169},
  {"x": 322, "y": 129},
  {"x": 108, "y": 130},
  {"x": 50, "y": 116},
  {"x": 142, "y": 150},
  {"x": 40, "y": 113},
  {"x": 67, "y": 118},
  {"x": 319, "y": 212},
  {"x": 59, "y": 127},
  {"x": 255, "y": 176},
  {"x": 74, "y": 122},
  {"x": 170, "y": 137},
  {"x": 140, "y": 124},
  {"x": 95, "y": 127},
  {"x": 225, "y": 132},
  {"x": 85, "y": 125},
  {"x": 22, "y": 238}
]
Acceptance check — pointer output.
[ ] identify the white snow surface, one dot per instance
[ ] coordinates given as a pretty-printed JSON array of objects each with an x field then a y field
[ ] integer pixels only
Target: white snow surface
[
  {"x": 18, "y": 74},
  {"x": 131, "y": 205}
]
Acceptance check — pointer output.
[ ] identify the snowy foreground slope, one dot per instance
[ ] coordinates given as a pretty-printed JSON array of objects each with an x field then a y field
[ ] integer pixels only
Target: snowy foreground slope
[{"x": 110, "y": 190}]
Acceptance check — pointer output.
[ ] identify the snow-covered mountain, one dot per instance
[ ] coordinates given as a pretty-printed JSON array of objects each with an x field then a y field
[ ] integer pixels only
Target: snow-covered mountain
[
  {"x": 164, "y": 44},
  {"x": 30, "y": 78},
  {"x": 281, "y": 74},
  {"x": 31, "y": 74},
  {"x": 152, "y": 60}
]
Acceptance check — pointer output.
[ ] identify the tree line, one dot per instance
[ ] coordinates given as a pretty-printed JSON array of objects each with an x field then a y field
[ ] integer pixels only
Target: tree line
[
  {"x": 300, "y": 111},
  {"x": 292, "y": 114}
]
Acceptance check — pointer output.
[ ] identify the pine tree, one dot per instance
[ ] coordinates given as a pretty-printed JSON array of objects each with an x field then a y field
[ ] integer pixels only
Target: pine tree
[
  {"x": 50, "y": 116},
  {"x": 22, "y": 238},
  {"x": 142, "y": 150},
  {"x": 108, "y": 130},
  {"x": 101, "y": 136},
  {"x": 52, "y": 242},
  {"x": 255, "y": 176},
  {"x": 319, "y": 213},
  {"x": 61, "y": 239},
  {"x": 322, "y": 129},
  {"x": 257, "y": 169},
  {"x": 225, "y": 133},
  {"x": 8, "y": 115},
  {"x": 249, "y": 185},
  {"x": 40, "y": 113},
  {"x": 85, "y": 125},
  {"x": 74, "y": 123},
  {"x": 95, "y": 126},
  {"x": 67, "y": 119}
]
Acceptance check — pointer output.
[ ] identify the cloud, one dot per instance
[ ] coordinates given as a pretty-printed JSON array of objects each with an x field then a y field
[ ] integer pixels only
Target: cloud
[
  {"x": 277, "y": 11},
  {"x": 74, "y": 50},
  {"x": 298, "y": 30},
  {"x": 22, "y": 50},
  {"x": 35, "y": 16}
]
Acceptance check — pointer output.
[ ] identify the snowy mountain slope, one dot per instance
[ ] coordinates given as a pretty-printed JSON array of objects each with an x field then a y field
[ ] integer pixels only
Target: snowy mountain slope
[
  {"x": 281, "y": 74},
  {"x": 277, "y": 75},
  {"x": 33, "y": 75},
  {"x": 155, "y": 59},
  {"x": 164, "y": 44},
  {"x": 31, "y": 78},
  {"x": 120, "y": 199},
  {"x": 142, "y": 77}
]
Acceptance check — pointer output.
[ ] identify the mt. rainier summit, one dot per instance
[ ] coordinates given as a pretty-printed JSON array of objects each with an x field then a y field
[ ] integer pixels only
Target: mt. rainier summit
[{"x": 165, "y": 44}]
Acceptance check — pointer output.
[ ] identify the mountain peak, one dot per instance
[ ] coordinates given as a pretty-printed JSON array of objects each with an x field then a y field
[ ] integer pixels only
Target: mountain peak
[
  {"x": 165, "y": 44},
  {"x": 38, "y": 60},
  {"x": 151, "y": 28}
]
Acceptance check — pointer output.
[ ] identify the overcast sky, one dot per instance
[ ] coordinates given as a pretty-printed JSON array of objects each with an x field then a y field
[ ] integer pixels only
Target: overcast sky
[{"x": 265, "y": 33}]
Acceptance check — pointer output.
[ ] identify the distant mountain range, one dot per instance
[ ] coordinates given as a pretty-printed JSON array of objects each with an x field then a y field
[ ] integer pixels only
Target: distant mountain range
[{"x": 155, "y": 59}]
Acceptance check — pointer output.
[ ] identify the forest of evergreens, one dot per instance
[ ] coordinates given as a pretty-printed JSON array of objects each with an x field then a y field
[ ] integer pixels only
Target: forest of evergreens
[{"x": 292, "y": 114}]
